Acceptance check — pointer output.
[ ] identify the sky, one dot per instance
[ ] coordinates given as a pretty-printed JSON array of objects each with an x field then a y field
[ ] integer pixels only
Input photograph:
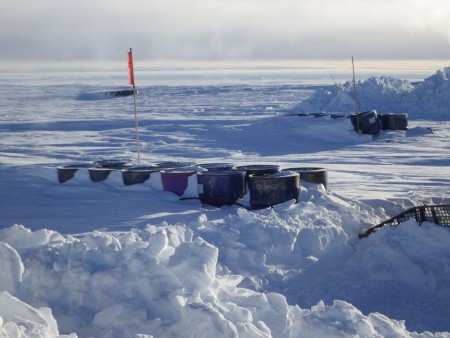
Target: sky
[{"x": 223, "y": 30}]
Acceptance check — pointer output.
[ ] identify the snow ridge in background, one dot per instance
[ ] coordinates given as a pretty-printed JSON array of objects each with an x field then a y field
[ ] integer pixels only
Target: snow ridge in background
[{"x": 428, "y": 99}]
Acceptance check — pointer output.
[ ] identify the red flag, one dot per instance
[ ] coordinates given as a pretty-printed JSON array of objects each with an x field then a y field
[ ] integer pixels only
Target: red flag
[{"x": 130, "y": 68}]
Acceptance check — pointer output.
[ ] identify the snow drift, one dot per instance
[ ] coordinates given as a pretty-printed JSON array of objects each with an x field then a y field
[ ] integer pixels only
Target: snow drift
[
  {"x": 426, "y": 100},
  {"x": 163, "y": 280},
  {"x": 225, "y": 276}
]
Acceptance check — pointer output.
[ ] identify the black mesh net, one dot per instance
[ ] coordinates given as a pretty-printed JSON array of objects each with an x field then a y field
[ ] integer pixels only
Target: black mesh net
[{"x": 438, "y": 214}]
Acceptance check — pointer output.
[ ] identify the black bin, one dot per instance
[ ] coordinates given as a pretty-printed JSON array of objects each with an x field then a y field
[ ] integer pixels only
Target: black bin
[
  {"x": 394, "y": 121},
  {"x": 138, "y": 174},
  {"x": 312, "y": 175},
  {"x": 366, "y": 123},
  {"x": 67, "y": 172},
  {"x": 98, "y": 174},
  {"x": 218, "y": 188},
  {"x": 271, "y": 189}
]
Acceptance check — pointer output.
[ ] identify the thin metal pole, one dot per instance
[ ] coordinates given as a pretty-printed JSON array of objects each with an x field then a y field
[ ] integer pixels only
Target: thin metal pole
[
  {"x": 335, "y": 83},
  {"x": 356, "y": 98},
  {"x": 131, "y": 78},
  {"x": 137, "y": 127}
]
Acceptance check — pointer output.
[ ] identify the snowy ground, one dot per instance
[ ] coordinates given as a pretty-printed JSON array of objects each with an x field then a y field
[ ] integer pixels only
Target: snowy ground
[{"x": 115, "y": 261}]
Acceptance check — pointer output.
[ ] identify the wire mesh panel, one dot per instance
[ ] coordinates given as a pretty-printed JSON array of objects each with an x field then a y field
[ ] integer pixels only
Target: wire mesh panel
[
  {"x": 441, "y": 214},
  {"x": 438, "y": 214}
]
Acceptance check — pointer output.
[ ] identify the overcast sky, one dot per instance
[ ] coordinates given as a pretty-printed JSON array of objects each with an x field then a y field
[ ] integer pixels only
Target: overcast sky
[{"x": 66, "y": 30}]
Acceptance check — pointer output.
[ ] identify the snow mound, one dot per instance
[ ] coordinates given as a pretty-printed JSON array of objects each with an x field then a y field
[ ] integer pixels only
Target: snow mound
[
  {"x": 18, "y": 319},
  {"x": 387, "y": 265},
  {"x": 213, "y": 277},
  {"x": 160, "y": 282},
  {"x": 428, "y": 99}
]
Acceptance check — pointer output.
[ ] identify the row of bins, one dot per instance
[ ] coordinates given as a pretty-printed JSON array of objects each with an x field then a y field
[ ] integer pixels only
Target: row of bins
[
  {"x": 218, "y": 184},
  {"x": 372, "y": 123}
]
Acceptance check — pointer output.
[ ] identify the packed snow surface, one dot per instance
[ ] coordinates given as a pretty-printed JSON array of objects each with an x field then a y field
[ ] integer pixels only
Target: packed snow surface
[{"x": 104, "y": 259}]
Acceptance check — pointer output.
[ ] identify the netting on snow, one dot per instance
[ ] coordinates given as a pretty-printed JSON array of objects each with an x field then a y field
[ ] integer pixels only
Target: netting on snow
[{"x": 438, "y": 214}]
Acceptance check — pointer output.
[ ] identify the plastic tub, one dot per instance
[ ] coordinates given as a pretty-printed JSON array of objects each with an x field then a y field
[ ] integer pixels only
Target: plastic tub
[
  {"x": 366, "y": 123},
  {"x": 138, "y": 174},
  {"x": 312, "y": 175},
  {"x": 272, "y": 189},
  {"x": 219, "y": 188},
  {"x": 394, "y": 121},
  {"x": 99, "y": 174},
  {"x": 67, "y": 172},
  {"x": 175, "y": 181}
]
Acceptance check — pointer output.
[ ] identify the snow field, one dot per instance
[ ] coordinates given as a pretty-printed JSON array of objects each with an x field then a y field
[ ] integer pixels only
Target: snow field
[{"x": 102, "y": 259}]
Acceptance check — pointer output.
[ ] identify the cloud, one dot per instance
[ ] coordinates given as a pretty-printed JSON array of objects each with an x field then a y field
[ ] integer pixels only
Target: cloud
[{"x": 223, "y": 29}]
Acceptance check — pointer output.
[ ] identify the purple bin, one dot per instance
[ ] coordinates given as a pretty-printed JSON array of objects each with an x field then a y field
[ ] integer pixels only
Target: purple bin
[{"x": 175, "y": 181}]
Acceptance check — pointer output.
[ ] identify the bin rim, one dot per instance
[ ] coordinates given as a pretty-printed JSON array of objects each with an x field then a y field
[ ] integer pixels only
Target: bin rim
[
  {"x": 221, "y": 173},
  {"x": 257, "y": 166},
  {"x": 174, "y": 164},
  {"x": 278, "y": 175},
  {"x": 76, "y": 166},
  {"x": 101, "y": 169},
  {"x": 307, "y": 169},
  {"x": 143, "y": 169},
  {"x": 177, "y": 171},
  {"x": 216, "y": 164},
  {"x": 112, "y": 163}
]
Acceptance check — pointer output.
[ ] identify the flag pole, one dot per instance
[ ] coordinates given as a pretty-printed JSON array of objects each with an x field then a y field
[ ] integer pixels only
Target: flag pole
[
  {"x": 131, "y": 80},
  {"x": 137, "y": 127}
]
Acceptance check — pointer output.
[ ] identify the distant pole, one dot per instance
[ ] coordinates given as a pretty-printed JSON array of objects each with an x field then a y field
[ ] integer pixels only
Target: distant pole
[
  {"x": 356, "y": 97},
  {"x": 131, "y": 80},
  {"x": 335, "y": 83}
]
